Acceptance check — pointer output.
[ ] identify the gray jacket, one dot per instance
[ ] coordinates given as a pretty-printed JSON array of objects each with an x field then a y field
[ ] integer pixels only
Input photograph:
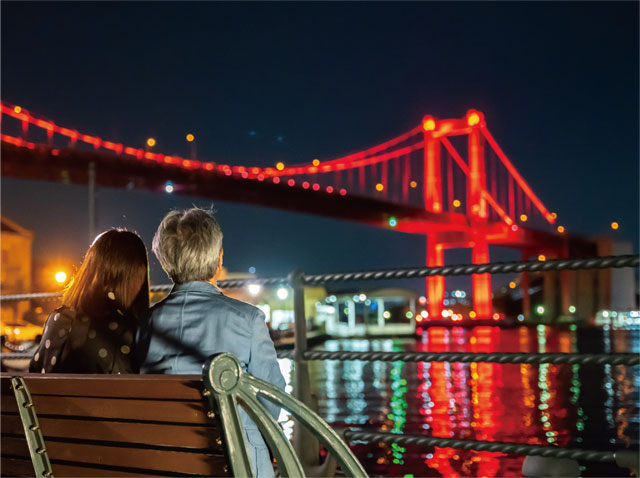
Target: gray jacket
[{"x": 195, "y": 321}]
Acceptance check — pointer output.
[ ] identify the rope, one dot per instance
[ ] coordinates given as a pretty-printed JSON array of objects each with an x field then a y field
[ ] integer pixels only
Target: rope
[
  {"x": 468, "y": 269},
  {"x": 479, "y": 445},
  {"x": 503, "y": 358},
  {"x": 615, "y": 262}
]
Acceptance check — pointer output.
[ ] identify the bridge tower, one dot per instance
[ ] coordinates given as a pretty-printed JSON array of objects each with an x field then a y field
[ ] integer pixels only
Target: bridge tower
[
  {"x": 433, "y": 203},
  {"x": 477, "y": 211}
]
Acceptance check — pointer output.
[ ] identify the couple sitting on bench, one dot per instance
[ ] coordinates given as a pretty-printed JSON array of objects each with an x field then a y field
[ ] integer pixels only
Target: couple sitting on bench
[{"x": 105, "y": 324}]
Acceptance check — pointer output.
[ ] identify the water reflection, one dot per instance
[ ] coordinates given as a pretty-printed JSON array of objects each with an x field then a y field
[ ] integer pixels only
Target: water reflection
[{"x": 565, "y": 405}]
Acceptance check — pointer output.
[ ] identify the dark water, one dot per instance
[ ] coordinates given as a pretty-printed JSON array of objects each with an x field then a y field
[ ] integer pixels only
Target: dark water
[{"x": 593, "y": 407}]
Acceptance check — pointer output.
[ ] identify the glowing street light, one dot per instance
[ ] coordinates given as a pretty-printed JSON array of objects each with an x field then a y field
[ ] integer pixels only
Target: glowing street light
[
  {"x": 413, "y": 184},
  {"x": 615, "y": 226},
  {"x": 168, "y": 187},
  {"x": 151, "y": 142},
  {"x": 17, "y": 109},
  {"x": 572, "y": 309},
  {"x": 190, "y": 137},
  {"x": 512, "y": 285},
  {"x": 379, "y": 187},
  {"x": 540, "y": 310},
  {"x": 456, "y": 203},
  {"x": 282, "y": 293},
  {"x": 61, "y": 277},
  {"x": 560, "y": 229},
  {"x": 316, "y": 162},
  {"x": 254, "y": 289},
  {"x": 280, "y": 166}
]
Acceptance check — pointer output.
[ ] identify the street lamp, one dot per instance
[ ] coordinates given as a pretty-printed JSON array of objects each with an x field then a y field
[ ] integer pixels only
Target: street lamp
[{"x": 192, "y": 140}]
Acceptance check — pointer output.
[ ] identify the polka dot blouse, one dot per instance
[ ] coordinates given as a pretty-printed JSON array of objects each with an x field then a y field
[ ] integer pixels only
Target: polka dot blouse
[{"x": 77, "y": 343}]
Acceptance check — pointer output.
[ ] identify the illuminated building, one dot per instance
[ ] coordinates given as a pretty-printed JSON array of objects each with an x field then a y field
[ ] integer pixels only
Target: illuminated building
[{"x": 15, "y": 277}]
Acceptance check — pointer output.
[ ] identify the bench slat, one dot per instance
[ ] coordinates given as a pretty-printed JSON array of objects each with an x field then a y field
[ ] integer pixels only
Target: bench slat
[
  {"x": 64, "y": 469},
  {"x": 177, "y": 436},
  {"x": 164, "y": 387},
  {"x": 16, "y": 467},
  {"x": 158, "y": 460},
  {"x": 138, "y": 410},
  {"x": 14, "y": 446}
]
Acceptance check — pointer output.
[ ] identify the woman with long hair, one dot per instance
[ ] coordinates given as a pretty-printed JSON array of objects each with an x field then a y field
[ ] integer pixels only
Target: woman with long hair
[{"x": 94, "y": 329}]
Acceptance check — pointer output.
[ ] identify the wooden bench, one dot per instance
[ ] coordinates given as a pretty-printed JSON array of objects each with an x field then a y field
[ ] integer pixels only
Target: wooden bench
[{"x": 148, "y": 425}]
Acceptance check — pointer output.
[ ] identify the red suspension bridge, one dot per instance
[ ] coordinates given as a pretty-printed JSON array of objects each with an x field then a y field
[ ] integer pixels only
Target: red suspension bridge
[{"x": 447, "y": 179}]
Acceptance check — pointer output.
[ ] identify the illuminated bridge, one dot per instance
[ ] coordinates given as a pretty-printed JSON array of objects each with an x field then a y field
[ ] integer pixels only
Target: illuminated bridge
[{"x": 447, "y": 179}]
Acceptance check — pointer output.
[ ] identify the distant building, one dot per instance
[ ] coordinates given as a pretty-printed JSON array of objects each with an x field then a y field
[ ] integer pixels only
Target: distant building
[{"x": 15, "y": 275}]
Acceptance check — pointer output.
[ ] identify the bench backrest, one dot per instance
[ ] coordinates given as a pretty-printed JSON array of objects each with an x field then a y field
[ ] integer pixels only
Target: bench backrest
[{"x": 110, "y": 425}]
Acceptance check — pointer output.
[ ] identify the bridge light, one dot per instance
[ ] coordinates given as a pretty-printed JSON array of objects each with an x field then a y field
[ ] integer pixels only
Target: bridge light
[
  {"x": 523, "y": 217},
  {"x": 17, "y": 109},
  {"x": 554, "y": 215},
  {"x": 151, "y": 142},
  {"x": 473, "y": 118},
  {"x": 379, "y": 187},
  {"x": 572, "y": 309},
  {"x": 316, "y": 162},
  {"x": 561, "y": 229},
  {"x": 540, "y": 310},
  {"x": 168, "y": 187},
  {"x": 542, "y": 258},
  {"x": 456, "y": 203},
  {"x": 428, "y": 123},
  {"x": 282, "y": 293},
  {"x": 291, "y": 182},
  {"x": 413, "y": 184},
  {"x": 305, "y": 185},
  {"x": 615, "y": 226},
  {"x": 343, "y": 192},
  {"x": 190, "y": 137},
  {"x": 61, "y": 277},
  {"x": 280, "y": 166},
  {"x": 514, "y": 228},
  {"x": 329, "y": 189},
  {"x": 393, "y": 222},
  {"x": 315, "y": 187},
  {"x": 512, "y": 285}
]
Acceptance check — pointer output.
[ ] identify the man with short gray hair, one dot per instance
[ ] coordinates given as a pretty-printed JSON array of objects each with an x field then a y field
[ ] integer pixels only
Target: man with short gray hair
[{"x": 196, "y": 320}]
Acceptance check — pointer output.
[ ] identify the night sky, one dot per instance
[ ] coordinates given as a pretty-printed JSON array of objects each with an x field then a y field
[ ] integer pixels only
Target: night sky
[{"x": 558, "y": 83}]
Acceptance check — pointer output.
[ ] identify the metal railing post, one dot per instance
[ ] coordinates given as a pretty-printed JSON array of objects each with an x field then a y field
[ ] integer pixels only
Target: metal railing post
[{"x": 306, "y": 445}]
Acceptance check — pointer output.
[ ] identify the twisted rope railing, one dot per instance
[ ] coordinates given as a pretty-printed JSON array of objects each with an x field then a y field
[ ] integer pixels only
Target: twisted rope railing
[
  {"x": 502, "y": 358},
  {"x": 492, "y": 268},
  {"x": 480, "y": 445},
  {"x": 615, "y": 262}
]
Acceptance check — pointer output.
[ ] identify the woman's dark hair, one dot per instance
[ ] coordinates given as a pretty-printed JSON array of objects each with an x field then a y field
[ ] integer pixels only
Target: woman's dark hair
[{"x": 114, "y": 273}]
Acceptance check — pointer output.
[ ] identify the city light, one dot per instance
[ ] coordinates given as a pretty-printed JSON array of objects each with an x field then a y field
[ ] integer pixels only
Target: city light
[
  {"x": 561, "y": 229},
  {"x": 472, "y": 314},
  {"x": 280, "y": 166},
  {"x": 496, "y": 316},
  {"x": 151, "y": 142},
  {"x": 168, "y": 187},
  {"x": 393, "y": 222},
  {"x": 413, "y": 184},
  {"x": 540, "y": 310},
  {"x": 424, "y": 314},
  {"x": 520, "y": 317},
  {"x": 523, "y": 217},
  {"x": 615, "y": 226},
  {"x": 282, "y": 293},
  {"x": 379, "y": 187},
  {"x": 386, "y": 314},
  {"x": 512, "y": 285},
  {"x": 542, "y": 258},
  {"x": 316, "y": 162},
  {"x": 61, "y": 277},
  {"x": 456, "y": 203},
  {"x": 362, "y": 297},
  {"x": 572, "y": 309},
  {"x": 554, "y": 215},
  {"x": 409, "y": 315},
  {"x": 254, "y": 289},
  {"x": 190, "y": 137},
  {"x": 17, "y": 109},
  {"x": 422, "y": 299}
]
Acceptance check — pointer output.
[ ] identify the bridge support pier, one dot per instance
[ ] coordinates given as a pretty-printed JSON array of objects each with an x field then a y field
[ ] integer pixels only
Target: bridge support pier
[
  {"x": 435, "y": 284},
  {"x": 481, "y": 283}
]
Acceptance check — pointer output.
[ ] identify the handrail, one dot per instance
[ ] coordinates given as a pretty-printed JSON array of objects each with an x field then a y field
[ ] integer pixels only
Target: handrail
[{"x": 617, "y": 262}]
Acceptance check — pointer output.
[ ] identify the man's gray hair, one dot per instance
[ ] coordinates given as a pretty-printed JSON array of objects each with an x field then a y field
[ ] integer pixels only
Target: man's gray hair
[{"x": 187, "y": 244}]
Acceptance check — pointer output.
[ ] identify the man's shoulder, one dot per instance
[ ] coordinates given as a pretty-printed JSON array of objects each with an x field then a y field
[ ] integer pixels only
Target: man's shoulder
[{"x": 217, "y": 303}]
